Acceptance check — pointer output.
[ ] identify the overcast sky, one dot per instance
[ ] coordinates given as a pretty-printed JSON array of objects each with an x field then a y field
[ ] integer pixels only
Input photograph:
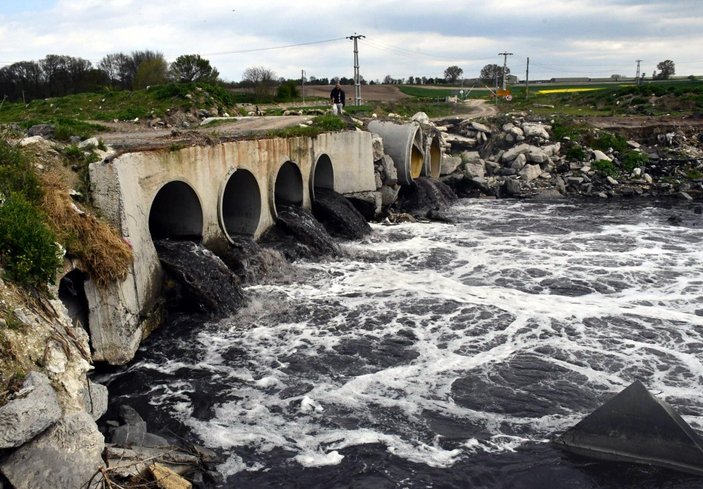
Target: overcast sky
[{"x": 566, "y": 38}]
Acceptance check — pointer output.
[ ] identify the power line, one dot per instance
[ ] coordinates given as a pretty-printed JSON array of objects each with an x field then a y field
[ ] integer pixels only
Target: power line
[{"x": 242, "y": 51}]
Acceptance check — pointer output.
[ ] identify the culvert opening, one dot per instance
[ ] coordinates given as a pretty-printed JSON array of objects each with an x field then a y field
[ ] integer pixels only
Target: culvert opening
[
  {"x": 241, "y": 205},
  {"x": 323, "y": 176},
  {"x": 288, "y": 189},
  {"x": 417, "y": 162},
  {"x": 176, "y": 213},
  {"x": 72, "y": 295},
  {"x": 435, "y": 158}
]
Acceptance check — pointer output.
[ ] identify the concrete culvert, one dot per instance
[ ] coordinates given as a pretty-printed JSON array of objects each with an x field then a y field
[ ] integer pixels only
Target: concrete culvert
[
  {"x": 288, "y": 189},
  {"x": 240, "y": 209},
  {"x": 176, "y": 213},
  {"x": 323, "y": 176},
  {"x": 72, "y": 295},
  {"x": 403, "y": 143}
]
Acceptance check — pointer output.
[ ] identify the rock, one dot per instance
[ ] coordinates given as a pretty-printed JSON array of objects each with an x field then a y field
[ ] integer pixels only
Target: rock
[
  {"x": 513, "y": 152},
  {"x": 516, "y": 132},
  {"x": 460, "y": 141},
  {"x": 379, "y": 182},
  {"x": 475, "y": 169},
  {"x": 165, "y": 478},
  {"x": 34, "y": 140},
  {"x": 480, "y": 127},
  {"x": 389, "y": 170},
  {"x": 647, "y": 178},
  {"x": 513, "y": 187},
  {"x": 507, "y": 126},
  {"x": 95, "y": 399},
  {"x": 519, "y": 162},
  {"x": 421, "y": 117},
  {"x": 66, "y": 455},
  {"x": 598, "y": 155},
  {"x": 552, "y": 149},
  {"x": 633, "y": 144},
  {"x": 129, "y": 462},
  {"x": 449, "y": 164},
  {"x": 377, "y": 146},
  {"x": 530, "y": 172},
  {"x": 535, "y": 130},
  {"x": 28, "y": 415},
  {"x": 561, "y": 185},
  {"x": 43, "y": 130},
  {"x": 685, "y": 196},
  {"x": 611, "y": 180},
  {"x": 469, "y": 156},
  {"x": 536, "y": 155}
]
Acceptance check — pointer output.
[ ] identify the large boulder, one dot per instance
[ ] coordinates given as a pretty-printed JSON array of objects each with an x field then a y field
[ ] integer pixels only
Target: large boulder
[
  {"x": 389, "y": 170},
  {"x": 513, "y": 152},
  {"x": 34, "y": 410},
  {"x": 530, "y": 172},
  {"x": 449, "y": 164},
  {"x": 475, "y": 169},
  {"x": 66, "y": 455}
]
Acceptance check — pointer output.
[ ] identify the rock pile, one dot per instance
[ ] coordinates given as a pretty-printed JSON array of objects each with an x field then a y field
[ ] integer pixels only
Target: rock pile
[{"x": 520, "y": 158}]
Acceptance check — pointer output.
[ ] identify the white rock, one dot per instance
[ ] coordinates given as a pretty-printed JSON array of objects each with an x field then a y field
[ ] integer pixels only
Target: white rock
[
  {"x": 449, "y": 164},
  {"x": 535, "y": 130},
  {"x": 421, "y": 117},
  {"x": 598, "y": 155},
  {"x": 475, "y": 169},
  {"x": 530, "y": 172}
]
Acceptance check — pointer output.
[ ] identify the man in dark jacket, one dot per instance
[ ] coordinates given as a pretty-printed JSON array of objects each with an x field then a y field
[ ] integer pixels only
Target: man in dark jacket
[{"x": 338, "y": 101}]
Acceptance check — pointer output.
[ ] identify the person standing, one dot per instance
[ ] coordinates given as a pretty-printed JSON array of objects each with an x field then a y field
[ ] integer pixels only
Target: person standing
[{"x": 338, "y": 100}]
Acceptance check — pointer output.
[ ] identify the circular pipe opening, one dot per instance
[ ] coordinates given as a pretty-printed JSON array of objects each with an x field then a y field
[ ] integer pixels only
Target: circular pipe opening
[
  {"x": 434, "y": 156},
  {"x": 323, "y": 176},
  {"x": 176, "y": 213},
  {"x": 288, "y": 189},
  {"x": 240, "y": 208},
  {"x": 417, "y": 162}
]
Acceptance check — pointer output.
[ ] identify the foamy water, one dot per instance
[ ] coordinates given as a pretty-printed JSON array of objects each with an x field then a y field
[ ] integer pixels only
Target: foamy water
[{"x": 442, "y": 345}]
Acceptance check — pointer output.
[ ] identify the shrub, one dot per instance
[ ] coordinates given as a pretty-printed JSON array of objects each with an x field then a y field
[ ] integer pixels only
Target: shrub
[
  {"x": 28, "y": 251},
  {"x": 606, "y": 140},
  {"x": 17, "y": 175},
  {"x": 576, "y": 152},
  {"x": 605, "y": 168},
  {"x": 632, "y": 160}
]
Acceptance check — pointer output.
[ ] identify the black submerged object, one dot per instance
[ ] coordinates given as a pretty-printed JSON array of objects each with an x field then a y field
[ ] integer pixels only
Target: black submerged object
[{"x": 634, "y": 426}]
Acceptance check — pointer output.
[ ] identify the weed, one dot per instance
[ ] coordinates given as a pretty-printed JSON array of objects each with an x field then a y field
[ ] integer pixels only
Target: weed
[
  {"x": 605, "y": 168},
  {"x": 12, "y": 321},
  {"x": 606, "y": 140},
  {"x": 17, "y": 175},
  {"x": 633, "y": 159},
  {"x": 28, "y": 250}
]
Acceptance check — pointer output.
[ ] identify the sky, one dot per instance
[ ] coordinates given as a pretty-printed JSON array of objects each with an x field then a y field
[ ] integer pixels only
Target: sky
[{"x": 567, "y": 38}]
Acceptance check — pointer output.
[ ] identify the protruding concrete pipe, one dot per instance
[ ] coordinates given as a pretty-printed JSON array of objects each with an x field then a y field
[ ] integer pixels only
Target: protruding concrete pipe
[
  {"x": 433, "y": 156},
  {"x": 403, "y": 143}
]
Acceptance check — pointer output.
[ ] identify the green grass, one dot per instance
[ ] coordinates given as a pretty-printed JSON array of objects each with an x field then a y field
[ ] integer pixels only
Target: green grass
[
  {"x": 320, "y": 124},
  {"x": 120, "y": 105}
]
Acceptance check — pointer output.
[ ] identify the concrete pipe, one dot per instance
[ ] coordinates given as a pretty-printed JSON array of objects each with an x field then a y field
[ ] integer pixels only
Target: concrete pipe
[
  {"x": 433, "y": 157},
  {"x": 403, "y": 143}
]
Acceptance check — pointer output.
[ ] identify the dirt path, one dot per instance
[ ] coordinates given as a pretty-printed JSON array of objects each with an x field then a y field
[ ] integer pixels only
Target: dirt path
[{"x": 126, "y": 135}]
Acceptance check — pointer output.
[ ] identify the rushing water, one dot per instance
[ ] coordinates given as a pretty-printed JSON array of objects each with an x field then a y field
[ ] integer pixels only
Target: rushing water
[{"x": 443, "y": 355}]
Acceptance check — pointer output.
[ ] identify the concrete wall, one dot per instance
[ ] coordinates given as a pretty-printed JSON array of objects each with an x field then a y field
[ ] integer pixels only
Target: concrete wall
[{"x": 125, "y": 188}]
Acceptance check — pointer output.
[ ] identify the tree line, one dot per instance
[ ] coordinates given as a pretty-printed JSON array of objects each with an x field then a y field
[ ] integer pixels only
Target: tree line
[{"x": 59, "y": 75}]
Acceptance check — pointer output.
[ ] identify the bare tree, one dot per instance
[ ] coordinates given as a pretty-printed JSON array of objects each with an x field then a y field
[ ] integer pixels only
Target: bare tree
[{"x": 261, "y": 80}]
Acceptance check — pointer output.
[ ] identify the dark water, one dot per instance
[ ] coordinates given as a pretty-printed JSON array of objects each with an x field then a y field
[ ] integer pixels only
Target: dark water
[{"x": 442, "y": 356}]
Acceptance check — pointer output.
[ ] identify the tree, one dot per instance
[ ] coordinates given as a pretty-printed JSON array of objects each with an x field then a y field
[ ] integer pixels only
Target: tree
[
  {"x": 262, "y": 80},
  {"x": 490, "y": 73},
  {"x": 191, "y": 67},
  {"x": 117, "y": 66},
  {"x": 150, "y": 72},
  {"x": 452, "y": 73},
  {"x": 666, "y": 69}
]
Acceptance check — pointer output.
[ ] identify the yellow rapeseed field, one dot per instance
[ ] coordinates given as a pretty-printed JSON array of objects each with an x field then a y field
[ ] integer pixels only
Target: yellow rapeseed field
[{"x": 566, "y": 90}]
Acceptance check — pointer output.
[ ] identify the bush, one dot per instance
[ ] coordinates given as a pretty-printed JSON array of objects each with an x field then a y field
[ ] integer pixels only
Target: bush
[
  {"x": 632, "y": 160},
  {"x": 605, "y": 168},
  {"x": 17, "y": 175},
  {"x": 606, "y": 140},
  {"x": 28, "y": 251}
]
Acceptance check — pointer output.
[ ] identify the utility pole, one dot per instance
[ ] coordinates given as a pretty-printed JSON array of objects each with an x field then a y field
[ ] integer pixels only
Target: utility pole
[
  {"x": 638, "y": 71},
  {"x": 357, "y": 80},
  {"x": 505, "y": 63},
  {"x": 302, "y": 85},
  {"x": 527, "y": 79}
]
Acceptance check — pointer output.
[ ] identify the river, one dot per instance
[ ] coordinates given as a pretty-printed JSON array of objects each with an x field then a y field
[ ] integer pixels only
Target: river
[{"x": 443, "y": 355}]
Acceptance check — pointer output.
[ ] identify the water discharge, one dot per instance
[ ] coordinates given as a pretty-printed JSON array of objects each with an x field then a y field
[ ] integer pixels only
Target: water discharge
[{"x": 442, "y": 355}]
